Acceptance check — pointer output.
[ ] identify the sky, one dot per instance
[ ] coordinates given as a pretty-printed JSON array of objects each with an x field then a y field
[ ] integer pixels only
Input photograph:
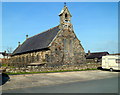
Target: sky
[{"x": 95, "y": 23}]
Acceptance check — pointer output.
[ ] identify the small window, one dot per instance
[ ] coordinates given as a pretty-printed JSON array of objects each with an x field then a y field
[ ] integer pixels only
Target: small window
[
  {"x": 46, "y": 57},
  {"x": 23, "y": 59},
  {"x": 65, "y": 45},
  {"x": 66, "y": 16},
  {"x": 37, "y": 57},
  {"x": 117, "y": 60},
  {"x": 32, "y": 59},
  {"x": 26, "y": 59},
  {"x": 19, "y": 59}
]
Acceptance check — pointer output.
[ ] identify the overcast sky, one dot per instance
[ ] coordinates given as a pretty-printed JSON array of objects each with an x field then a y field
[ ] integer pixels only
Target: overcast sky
[{"x": 95, "y": 24}]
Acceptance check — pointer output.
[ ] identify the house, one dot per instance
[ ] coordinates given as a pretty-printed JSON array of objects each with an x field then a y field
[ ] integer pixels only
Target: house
[
  {"x": 53, "y": 47},
  {"x": 4, "y": 57},
  {"x": 95, "y": 56},
  {"x": 5, "y": 54}
]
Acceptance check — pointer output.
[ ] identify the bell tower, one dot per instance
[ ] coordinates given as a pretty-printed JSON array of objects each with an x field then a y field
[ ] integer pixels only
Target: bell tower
[{"x": 65, "y": 18}]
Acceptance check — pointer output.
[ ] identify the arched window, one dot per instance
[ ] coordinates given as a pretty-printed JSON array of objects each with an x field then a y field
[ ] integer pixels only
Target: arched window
[{"x": 66, "y": 16}]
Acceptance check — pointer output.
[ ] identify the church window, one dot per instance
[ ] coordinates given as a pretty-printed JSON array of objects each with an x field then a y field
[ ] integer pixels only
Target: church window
[
  {"x": 37, "y": 57},
  {"x": 15, "y": 59},
  {"x": 23, "y": 60},
  {"x": 32, "y": 59},
  {"x": 19, "y": 59},
  {"x": 71, "y": 48},
  {"x": 65, "y": 45},
  {"x": 26, "y": 59},
  {"x": 68, "y": 46},
  {"x": 46, "y": 57},
  {"x": 66, "y": 16}
]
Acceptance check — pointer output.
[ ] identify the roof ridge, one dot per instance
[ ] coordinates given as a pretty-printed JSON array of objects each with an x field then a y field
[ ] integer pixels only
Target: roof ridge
[{"x": 43, "y": 31}]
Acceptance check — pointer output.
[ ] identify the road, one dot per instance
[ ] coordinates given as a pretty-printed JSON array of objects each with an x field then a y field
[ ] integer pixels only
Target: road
[{"x": 106, "y": 85}]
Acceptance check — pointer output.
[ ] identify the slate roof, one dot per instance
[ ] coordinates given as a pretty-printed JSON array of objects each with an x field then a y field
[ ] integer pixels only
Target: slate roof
[
  {"x": 96, "y": 55},
  {"x": 37, "y": 42}
]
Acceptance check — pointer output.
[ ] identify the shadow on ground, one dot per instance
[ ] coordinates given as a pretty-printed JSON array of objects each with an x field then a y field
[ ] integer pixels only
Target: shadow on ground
[
  {"x": 4, "y": 78},
  {"x": 100, "y": 68}
]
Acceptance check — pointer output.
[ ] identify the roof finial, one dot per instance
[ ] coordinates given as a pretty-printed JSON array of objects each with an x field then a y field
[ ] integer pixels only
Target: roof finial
[{"x": 64, "y": 3}]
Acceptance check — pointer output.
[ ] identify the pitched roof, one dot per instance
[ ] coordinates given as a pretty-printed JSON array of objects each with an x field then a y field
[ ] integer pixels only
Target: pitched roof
[
  {"x": 115, "y": 54},
  {"x": 96, "y": 55},
  {"x": 37, "y": 42}
]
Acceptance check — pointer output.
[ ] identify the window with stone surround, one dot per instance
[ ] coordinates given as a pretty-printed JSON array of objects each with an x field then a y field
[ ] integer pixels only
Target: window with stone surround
[
  {"x": 32, "y": 59},
  {"x": 65, "y": 45},
  {"x": 71, "y": 47},
  {"x": 19, "y": 59},
  {"x": 23, "y": 61},
  {"x": 26, "y": 59},
  {"x": 68, "y": 46},
  {"x": 38, "y": 57},
  {"x": 66, "y": 16},
  {"x": 47, "y": 58}
]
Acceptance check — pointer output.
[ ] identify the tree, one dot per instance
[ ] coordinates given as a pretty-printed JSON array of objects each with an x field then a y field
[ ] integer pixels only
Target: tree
[{"x": 9, "y": 49}]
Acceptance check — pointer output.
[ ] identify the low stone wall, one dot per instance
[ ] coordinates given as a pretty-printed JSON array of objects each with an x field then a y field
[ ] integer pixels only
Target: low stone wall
[{"x": 57, "y": 68}]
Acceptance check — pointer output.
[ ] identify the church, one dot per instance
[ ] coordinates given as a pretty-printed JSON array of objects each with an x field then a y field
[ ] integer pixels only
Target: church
[{"x": 54, "y": 47}]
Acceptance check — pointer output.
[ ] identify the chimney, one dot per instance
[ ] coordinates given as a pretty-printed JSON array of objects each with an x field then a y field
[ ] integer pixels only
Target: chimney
[
  {"x": 18, "y": 43},
  {"x": 26, "y": 37},
  {"x": 88, "y": 52}
]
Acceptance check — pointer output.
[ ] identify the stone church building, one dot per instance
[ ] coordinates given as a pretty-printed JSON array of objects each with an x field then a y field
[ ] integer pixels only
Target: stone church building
[{"x": 55, "y": 46}]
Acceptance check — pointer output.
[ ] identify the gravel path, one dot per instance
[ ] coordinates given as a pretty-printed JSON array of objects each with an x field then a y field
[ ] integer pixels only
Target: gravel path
[{"x": 42, "y": 79}]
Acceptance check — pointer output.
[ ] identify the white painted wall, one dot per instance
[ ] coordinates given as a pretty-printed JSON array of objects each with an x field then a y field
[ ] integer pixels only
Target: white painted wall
[{"x": 1, "y": 56}]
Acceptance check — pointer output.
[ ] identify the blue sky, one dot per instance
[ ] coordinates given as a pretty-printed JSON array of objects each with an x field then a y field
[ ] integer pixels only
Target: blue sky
[{"x": 95, "y": 24}]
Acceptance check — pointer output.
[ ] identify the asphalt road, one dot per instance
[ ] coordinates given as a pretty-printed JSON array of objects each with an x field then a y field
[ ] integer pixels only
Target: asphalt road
[{"x": 107, "y": 85}]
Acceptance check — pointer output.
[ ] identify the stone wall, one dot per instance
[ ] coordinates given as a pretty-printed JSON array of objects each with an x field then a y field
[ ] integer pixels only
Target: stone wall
[
  {"x": 56, "y": 68},
  {"x": 34, "y": 57},
  {"x": 66, "y": 49},
  {"x": 94, "y": 60}
]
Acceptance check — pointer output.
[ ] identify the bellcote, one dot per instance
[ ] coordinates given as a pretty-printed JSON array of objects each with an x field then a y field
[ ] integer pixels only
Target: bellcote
[{"x": 65, "y": 16}]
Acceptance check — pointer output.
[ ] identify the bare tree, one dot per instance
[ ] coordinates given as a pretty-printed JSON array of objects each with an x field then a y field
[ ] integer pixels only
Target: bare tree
[{"x": 9, "y": 49}]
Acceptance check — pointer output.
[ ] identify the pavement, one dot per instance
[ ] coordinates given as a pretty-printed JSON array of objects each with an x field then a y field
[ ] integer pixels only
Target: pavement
[{"x": 47, "y": 79}]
